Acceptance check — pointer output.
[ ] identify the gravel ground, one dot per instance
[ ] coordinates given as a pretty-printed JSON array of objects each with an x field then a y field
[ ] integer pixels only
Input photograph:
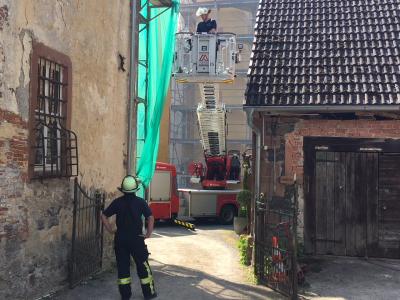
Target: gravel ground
[{"x": 186, "y": 265}]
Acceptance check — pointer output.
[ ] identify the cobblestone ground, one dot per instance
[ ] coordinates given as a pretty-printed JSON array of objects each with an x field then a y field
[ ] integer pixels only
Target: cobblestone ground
[{"x": 186, "y": 265}]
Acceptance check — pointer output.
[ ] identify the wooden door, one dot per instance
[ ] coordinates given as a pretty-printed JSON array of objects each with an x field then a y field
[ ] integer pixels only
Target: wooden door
[
  {"x": 346, "y": 200},
  {"x": 330, "y": 237},
  {"x": 389, "y": 206},
  {"x": 352, "y": 197},
  {"x": 361, "y": 203}
]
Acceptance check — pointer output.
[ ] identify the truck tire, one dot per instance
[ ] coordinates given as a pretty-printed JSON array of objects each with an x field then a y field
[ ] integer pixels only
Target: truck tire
[
  {"x": 173, "y": 217},
  {"x": 228, "y": 212}
]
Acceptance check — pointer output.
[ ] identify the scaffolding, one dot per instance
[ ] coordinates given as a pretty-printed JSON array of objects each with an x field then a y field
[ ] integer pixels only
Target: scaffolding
[{"x": 185, "y": 145}]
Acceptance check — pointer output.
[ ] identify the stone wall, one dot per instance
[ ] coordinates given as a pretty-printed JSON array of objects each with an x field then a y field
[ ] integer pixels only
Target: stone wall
[{"x": 36, "y": 216}]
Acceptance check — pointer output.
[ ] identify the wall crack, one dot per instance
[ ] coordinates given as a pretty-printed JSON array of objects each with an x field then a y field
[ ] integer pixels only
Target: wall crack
[{"x": 61, "y": 3}]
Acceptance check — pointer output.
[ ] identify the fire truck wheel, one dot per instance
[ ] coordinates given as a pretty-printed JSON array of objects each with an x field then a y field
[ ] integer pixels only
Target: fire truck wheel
[
  {"x": 173, "y": 217},
  {"x": 227, "y": 214}
]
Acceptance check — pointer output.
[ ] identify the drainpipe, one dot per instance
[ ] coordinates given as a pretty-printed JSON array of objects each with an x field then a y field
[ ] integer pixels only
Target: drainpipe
[
  {"x": 257, "y": 131},
  {"x": 132, "y": 104}
]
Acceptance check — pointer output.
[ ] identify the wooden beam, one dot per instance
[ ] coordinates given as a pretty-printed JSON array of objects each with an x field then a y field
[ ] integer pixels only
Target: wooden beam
[
  {"x": 389, "y": 115},
  {"x": 366, "y": 115}
]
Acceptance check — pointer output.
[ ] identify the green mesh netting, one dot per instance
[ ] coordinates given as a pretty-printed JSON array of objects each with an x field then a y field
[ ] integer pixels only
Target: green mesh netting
[{"x": 157, "y": 44}]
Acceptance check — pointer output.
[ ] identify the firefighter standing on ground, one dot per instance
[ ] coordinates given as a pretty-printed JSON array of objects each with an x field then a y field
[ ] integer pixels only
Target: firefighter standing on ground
[{"x": 129, "y": 239}]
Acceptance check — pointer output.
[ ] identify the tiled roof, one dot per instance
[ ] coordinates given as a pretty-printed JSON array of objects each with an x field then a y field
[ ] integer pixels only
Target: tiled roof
[{"x": 325, "y": 52}]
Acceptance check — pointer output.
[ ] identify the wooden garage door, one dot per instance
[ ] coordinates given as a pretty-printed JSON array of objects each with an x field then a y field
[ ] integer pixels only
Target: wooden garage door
[
  {"x": 357, "y": 204},
  {"x": 389, "y": 205}
]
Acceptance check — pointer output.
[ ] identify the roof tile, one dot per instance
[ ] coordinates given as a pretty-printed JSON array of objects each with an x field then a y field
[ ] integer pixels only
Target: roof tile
[{"x": 325, "y": 52}]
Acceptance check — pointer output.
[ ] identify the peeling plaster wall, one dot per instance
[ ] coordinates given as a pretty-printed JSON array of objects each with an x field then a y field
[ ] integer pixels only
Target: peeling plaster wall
[{"x": 36, "y": 217}]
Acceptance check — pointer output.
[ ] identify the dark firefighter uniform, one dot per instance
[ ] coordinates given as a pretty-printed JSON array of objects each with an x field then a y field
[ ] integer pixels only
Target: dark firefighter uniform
[
  {"x": 206, "y": 26},
  {"x": 129, "y": 241}
]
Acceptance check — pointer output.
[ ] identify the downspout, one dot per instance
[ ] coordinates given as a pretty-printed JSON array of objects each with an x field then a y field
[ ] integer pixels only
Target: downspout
[
  {"x": 257, "y": 131},
  {"x": 132, "y": 104}
]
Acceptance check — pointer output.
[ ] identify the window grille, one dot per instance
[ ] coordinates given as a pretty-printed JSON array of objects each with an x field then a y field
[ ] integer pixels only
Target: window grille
[{"x": 55, "y": 149}]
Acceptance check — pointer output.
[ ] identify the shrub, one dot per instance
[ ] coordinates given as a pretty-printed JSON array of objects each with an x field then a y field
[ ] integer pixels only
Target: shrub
[
  {"x": 244, "y": 198},
  {"x": 244, "y": 245},
  {"x": 242, "y": 212}
]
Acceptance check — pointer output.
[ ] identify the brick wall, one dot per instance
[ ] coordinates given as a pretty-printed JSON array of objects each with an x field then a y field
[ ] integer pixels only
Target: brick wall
[
  {"x": 294, "y": 157},
  {"x": 34, "y": 217},
  {"x": 13, "y": 160},
  {"x": 273, "y": 177},
  {"x": 13, "y": 141}
]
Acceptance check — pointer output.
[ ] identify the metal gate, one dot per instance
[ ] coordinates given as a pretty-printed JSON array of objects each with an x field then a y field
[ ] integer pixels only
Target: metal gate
[
  {"x": 275, "y": 243},
  {"x": 87, "y": 235}
]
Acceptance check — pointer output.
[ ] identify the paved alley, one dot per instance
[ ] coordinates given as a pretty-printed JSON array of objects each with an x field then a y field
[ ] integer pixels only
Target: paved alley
[
  {"x": 334, "y": 277},
  {"x": 186, "y": 265}
]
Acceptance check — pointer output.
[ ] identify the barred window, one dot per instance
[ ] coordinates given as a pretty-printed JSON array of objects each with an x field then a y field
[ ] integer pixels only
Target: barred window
[{"x": 53, "y": 145}]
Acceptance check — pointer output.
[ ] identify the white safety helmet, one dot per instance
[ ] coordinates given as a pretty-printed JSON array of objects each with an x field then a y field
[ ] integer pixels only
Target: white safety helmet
[{"x": 202, "y": 11}]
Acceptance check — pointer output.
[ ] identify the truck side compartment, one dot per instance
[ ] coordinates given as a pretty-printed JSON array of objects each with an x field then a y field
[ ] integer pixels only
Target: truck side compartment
[{"x": 163, "y": 196}]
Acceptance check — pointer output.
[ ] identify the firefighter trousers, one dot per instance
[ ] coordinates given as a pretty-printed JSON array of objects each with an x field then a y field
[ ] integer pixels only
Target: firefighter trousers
[{"x": 124, "y": 249}]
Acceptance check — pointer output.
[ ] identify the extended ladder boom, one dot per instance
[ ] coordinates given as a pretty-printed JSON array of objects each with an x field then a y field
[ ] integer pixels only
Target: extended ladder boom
[
  {"x": 211, "y": 117},
  {"x": 208, "y": 59}
]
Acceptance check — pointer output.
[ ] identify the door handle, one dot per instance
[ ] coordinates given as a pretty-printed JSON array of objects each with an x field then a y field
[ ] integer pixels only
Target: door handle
[{"x": 384, "y": 207}]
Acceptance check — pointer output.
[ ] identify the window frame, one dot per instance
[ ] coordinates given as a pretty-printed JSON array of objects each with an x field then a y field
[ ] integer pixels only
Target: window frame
[{"x": 40, "y": 51}]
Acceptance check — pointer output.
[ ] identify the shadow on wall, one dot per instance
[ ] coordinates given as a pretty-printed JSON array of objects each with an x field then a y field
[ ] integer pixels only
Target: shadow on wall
[{"x": 172, "y": 282}]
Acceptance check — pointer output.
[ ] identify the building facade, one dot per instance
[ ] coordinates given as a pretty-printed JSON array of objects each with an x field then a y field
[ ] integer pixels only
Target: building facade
[
  {"x": 324, "y": 99},
  {"x": 63, "y": 114}
]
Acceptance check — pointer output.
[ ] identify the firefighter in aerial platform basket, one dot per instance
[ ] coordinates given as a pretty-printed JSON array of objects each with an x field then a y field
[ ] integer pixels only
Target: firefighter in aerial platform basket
[
  {"x": 207, "y": 25},
  {"x": 129, "y": 238}
]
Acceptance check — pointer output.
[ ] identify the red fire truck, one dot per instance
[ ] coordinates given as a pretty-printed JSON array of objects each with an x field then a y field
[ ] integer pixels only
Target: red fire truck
[
  {"x": 206, "y": 59},
  {"x": 166, "y": 204}
]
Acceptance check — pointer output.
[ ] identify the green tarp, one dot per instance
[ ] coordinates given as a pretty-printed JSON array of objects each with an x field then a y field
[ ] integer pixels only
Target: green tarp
[{"x": 158, "y": 46}]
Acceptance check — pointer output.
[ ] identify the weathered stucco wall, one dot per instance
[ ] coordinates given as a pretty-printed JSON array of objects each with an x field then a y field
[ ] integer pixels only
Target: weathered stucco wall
[{"x": 36, "y": 216}]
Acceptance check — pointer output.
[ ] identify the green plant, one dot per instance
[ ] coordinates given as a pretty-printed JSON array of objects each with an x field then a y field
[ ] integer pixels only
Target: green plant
[
  {"x": 268, "y": 265},
  {"x": 242, "y": 213},
  {"x": 244, "y": 245},
  {"x": 244, "y": 198}
]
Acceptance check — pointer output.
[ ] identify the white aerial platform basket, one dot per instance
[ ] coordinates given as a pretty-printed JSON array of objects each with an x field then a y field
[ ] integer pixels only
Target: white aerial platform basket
[{"x": 203, "y": 57}]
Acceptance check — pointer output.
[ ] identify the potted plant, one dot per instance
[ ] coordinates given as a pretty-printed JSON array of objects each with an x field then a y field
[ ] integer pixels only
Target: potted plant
[{"x": 241, "y": 221}]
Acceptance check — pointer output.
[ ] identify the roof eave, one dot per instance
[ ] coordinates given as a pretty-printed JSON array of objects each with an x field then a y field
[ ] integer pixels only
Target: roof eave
[{"x": 323, "y": 108}]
